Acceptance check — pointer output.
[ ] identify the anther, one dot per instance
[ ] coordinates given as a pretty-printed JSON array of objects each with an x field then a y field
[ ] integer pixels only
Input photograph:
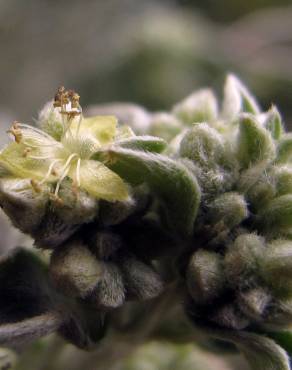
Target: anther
[
  {"x": 35, "y": 185},
  {"x": 16, "y": 132},
  {"x": 26, "y": 152},
  {"x": 75, "y": 100},
  {"x": 55, "y": 198}
]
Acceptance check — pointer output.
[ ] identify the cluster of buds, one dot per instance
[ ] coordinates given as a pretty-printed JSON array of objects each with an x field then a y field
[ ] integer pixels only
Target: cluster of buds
[
  {"x": 238, "y": 271},
  {"x": 127, "y": 216}
]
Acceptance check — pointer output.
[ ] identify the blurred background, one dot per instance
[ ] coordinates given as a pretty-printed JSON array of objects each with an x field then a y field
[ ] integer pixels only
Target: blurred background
[{"x": 150, "y": 52}]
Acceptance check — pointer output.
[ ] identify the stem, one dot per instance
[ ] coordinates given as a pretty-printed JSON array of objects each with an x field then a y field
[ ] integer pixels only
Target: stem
[{"x": 30, "y": 329}]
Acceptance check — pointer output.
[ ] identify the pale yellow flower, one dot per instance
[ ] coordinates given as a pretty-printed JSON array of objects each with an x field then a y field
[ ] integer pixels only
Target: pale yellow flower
[{"x": 63, "y": 148}]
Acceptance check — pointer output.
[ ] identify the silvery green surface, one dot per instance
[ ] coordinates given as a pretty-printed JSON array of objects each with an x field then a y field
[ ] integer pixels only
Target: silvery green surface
[{"x": 197, "y": 248}]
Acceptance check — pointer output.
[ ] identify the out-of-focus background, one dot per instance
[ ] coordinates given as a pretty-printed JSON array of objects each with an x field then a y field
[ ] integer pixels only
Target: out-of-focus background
[{"x": 150, "y": 52}]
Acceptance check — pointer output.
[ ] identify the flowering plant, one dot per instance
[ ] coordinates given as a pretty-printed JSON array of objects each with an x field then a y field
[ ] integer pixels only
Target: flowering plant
[{"x": 193, "y": 218}]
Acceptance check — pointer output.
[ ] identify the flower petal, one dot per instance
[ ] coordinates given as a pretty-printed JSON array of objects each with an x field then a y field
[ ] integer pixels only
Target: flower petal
[
  {"x": 12, "y": 159},
  {"x": 101, "y": 127},
  {"x": 100, "y": 182}
]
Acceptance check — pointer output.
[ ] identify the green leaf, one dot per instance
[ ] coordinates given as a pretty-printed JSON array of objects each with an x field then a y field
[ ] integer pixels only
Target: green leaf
[
  {"x": 146, "y": 143},
  {"x": 171, "y": 181}
]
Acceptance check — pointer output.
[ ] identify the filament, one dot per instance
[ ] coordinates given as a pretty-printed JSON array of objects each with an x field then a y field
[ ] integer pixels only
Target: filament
[
  {"x": 50, "y": 170},
  {"x": 78, "y": 172},
  {"x": 64, "y": 172}
]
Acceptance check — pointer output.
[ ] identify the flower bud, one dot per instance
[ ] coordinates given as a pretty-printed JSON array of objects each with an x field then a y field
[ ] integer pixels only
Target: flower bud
[
  {"x": 230, "y": 317},
  {"x": 283, "y": 179},
  {"x": 50, "y": 120},
  {"x": 75, "y": 208},
  {"x": 254, "y": 302},
  {"x": 74, "y": 270},
  {"x": 255, "y": 144},
  {"x": 113, "y": 213},
  {"x": 205, "y": 276},
  {"x": 104, "y": 244},
  {"x": 110, "y": 290},
  {"x": 242, "y": 258},
  {"x": 84, "y": 327},
  {"x": 284, "y": 149},
  {"x": 201, "y": 106},
  {"x": 203, "y": 145},
  {"x": 229, "y": 208},
  {"x": 165, "y": 125},
  {"x": 53, "y": 231},
  {"x": 279, "y": 314},
  {"x": 25, "y": 207},
  {"x": 261, "y": 192},
  {"x": 128, "y": 114},
  {"x": 272, "y": 121},
  {"x": 276, "y": 266},
  {"x": 141, "y": 280},
  {"x": 276, "y": 216},
  {"x": 237, "y": 99}
]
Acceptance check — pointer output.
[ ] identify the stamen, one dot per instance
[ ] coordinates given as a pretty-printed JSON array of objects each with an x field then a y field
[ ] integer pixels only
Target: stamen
[
  {"x": 50, "y": 171},
  {"x": 26, "y": 152},
  {"x": 31, "y": 128},
  {"x": 16, "y": 132},
  {"x": 78, "y": 172},
  {"x": 68, "y": 102},
  {"x": 79, "y": 121},
  {"x": 39, "y": 157},
  {"x": 36, "y": 186},
  {"x": 43, "y": 145},
  {"x": 56, "y": 199},
  {"x": 65, "y": 171}
]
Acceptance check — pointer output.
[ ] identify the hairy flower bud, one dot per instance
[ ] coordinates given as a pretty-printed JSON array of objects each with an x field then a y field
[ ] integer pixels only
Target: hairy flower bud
[
  {"x": 205, "y": 276},
  {"x": 237, "y": 99},
  {"x": 230, "y": 317},
  {"x": 75, "y": 208},
  {"x": 200, "y": 106},
  {"x": 276, "y": 216},
  {"x": 242, "y": 259},
  {"x": 276, "y": 265},
  {"x": 165, "y": 125},
  {"x": 74, "y": 270},
  {"x": 255, "y": 144},
  {"x": 203, "y": 145},
  {"x": 110, "y": 291},
  {"x": 254, "y": 302},
  {"x": 141, "y": 280},
  {"x": 229, "y": 208},
  {"x": 24, "y": 206},
  {"x": 104, "y": 244}
]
